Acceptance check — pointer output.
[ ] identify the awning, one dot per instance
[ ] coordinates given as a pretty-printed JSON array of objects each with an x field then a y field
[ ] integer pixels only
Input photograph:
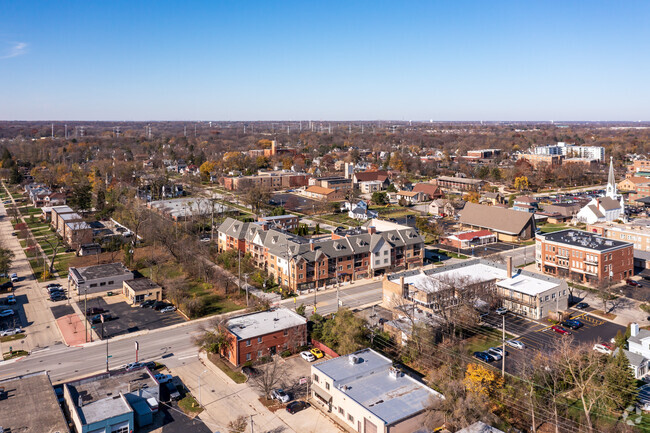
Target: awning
[
  {"x": 644, "y": 273},
  {"x": 320, "y": 393}
]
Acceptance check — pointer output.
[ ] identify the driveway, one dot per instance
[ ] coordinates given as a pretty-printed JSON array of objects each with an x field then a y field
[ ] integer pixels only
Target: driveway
[{"x": 130, "y": 319}]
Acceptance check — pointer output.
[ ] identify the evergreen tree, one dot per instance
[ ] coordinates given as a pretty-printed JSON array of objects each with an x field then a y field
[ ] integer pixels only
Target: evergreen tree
[
  {"x": 619, "y": 379},
  {"x": 15, "y": 177}
]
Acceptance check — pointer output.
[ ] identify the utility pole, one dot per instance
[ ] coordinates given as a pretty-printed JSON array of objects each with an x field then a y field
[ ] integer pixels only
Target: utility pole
[
  {"x": 503, "y": 347},
  {"x": 252, "y": 424},
  {"x": 86, "y": 312},
  {"x": 104, "y": 336}
]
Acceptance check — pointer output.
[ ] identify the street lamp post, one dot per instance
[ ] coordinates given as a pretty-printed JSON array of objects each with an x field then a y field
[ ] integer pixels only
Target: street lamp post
[{"x": 200, "y": 401}]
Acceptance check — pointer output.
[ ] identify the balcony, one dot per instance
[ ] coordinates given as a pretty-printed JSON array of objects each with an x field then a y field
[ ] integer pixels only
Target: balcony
[{"x": 592, "y": 262}]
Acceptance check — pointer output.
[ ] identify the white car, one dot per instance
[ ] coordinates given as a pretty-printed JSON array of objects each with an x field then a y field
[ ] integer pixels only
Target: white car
[
  {"x": 163, "y": 378},
  {"x": 14, "y": 278},
  {"x": 280, "y": 394},
  {"x": 501, "y": 311},
  {"x": 601, "y": 348},
  {"x": 168, "y": 309},
  {"x": 8, "y": 332},
  {"x": 516, "y": 344},
  {"x": 133, "y": 366},
  {"x": 308, "y": 356},
  {"x": 6, "y": 313},
  {"x": 497, "y": 350},
  {"x": 496, "y": 355}
]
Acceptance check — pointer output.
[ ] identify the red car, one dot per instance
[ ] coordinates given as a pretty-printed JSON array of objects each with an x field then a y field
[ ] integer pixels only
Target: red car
[
  {"x": 632, "y": 283},
  {"x": 560, "y": 330}
]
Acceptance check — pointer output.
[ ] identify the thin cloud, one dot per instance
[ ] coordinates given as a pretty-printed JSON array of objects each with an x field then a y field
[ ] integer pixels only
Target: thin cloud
[{"x": 16, "y": 49}]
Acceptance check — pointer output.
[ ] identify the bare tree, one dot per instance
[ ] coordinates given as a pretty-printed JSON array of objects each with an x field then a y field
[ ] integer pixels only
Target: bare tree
[
  {"x": 270, "y": 376},
  {"x": 238, "y": 425},
  {"x": 55, "y": 243}
]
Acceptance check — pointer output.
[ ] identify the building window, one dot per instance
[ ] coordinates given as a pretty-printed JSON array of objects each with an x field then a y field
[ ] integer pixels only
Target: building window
[
  {"x": 259, "y": 339},
  {"x": 377, "y": 262},
  {"x": 385, "y": 260},
  {"x": 351, "y": 418},
  {"x": 103, "y": 283},
  {"x": 546, "y": 298},
  {"x": 248, "y": 342},
  {"x": 327, "y": 386},
  {"x": 248, "y": 357},
  {"x": 93, "y": 285},
  {"x": 259, "y": 353},
  {"x": 286, "y": 332},
  {"x": 341, "y": 411},
  {"x": 122, "y": 429}
]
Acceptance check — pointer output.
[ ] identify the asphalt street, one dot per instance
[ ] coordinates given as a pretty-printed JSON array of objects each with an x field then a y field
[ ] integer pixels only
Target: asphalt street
[{"x": 351, "y": 296}]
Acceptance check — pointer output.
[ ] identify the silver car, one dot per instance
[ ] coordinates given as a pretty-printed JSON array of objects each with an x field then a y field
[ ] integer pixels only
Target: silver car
[{"x": 8, "y": 332}]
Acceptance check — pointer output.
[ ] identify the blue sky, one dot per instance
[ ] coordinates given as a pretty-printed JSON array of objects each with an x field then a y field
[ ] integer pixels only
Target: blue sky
[{"x": 348, "y": 60}]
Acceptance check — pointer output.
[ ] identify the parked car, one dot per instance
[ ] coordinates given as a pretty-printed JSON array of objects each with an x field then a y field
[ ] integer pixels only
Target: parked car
[
  {"x": 159, "y": 305},
  {"x": 58, "y": 296},
  {"x": 501, "y": 311},
  {"x": 98, "y": 318},
  {"x": 581, "y": 305},
  {"x": 632, "y": 283},
  {"x": 317, "y": 353},
  {"x": 297, "y": 406},
  {"x": 280, "y": 394},
  {"x": 163, "y": 378},
  {"x": 11, "y": 299},
  {"x": 483, "y": 356},
  {"x": 6, "y": 286},
  {"x": 51, "y": 285},
  {"x": 603, "y": 348},
  {"x": 494, "y": 354},
  {"x": 497, "y": 350},
  {"x": 8, "y": 332},
  {"x": 55, "y": 289},
  {"x": 6, "y": 313},
  {"x": 572, "y": 323},
  {"x": 560, "y": 330},
  {"x": 250, "y": 371},
  {"x": 308, "y": 356},
  {"x": 147, "y": 304},
  {"x": 516, "y": 344},
  {"x": 150, "y": 365},
  {"x": 14, "y": 278},
  {"x": 133, "y": 366},
  {"x": 168, "y": 309},
  {"x": 95, "y": 310}
]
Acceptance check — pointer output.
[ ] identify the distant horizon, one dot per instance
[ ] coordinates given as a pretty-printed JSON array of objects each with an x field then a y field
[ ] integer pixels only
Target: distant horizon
[
  {"x": 258, "y": 61},
  {"x": 320, "y": 121}
]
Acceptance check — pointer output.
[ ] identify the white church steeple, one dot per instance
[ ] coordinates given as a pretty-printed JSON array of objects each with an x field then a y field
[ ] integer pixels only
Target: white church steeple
[{"x": 611, "y": 181}]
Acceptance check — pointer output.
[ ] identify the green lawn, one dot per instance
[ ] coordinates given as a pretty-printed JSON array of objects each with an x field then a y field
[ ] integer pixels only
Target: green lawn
[
  {"x": 487, "y": 338},
  {"x": 550, "y": 228},
  {"x": 189, "y": 405},
  {"x": 340, "y": 219},
  {"x": 14, "y": 337},
  {"x": 236, "y": 376},
  {"x": 37, "y": 223}
]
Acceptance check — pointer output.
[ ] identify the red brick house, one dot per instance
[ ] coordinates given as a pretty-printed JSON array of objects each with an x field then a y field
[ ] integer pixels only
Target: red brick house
[{"x": 261, "y": 334}]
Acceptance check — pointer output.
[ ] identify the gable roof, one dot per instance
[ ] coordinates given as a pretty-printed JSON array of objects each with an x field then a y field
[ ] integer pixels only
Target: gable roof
[
  {"x": 364, "y": 176},
  {"x": 430, "y": 189},
  {"x": 609, "y": 203},
  {"x": 495, "y": 218}
]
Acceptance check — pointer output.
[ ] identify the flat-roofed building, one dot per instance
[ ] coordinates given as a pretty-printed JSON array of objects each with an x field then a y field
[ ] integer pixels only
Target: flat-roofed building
[
  {"x": 263, "y": 334},
  {"x": 78, "y": 233},
  {"x": 584, "y": 256},
  {"x": 459, "y": 183},
  {"x": 55, "y": 211},
  {"x": 364, "y": 393},
  {"x": 141, "y": 289},
  {"x": 115, "y": 402},
  {"x": 469, "y": 239},
  {"x": 527, "y": 293},
  {"x": 324, "y": 194},
  {"x": 333, "y": 182},
  {"x": 28, "y": 404},
  {"x": 99, "y": 278}
]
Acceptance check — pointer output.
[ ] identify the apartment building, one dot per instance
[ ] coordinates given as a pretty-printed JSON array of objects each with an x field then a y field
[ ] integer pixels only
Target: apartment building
[
  {"x": 324, "y": 194},
  {"x": 284, "y": 222},
  {"x": 433, "y": 290},
  {"x": 639, "y": 167},
  {"x": 538, "y": 160},
  {"x": 263, "y": 334},
  {"x": 298, "y": 263},
  {"x": 585, "y": 256},
  {"x": 334, "y": 182},
  {"x": 364, "y": 393},
  {"x": 637, "y": 232},
  {"x": 459, "y": 183},
  {"x": 572, "y": 151},
  {"x": 271, "y": 180}
]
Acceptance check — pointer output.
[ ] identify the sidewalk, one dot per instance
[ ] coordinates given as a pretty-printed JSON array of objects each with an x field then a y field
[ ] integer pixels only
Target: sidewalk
[{"x": 224, "y": 401}]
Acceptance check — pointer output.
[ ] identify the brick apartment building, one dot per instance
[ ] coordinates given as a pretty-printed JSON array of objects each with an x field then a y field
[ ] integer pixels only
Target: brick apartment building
[
  {"x": 459, "y": 183},
  {"x": 640, "y": 167},
  {"x": 334, "y": 182},
  {"x": 270, "y": 180},
  {"x": 636, "y": 232},
  {"x": 262, "y": 334},
  {"x": 299, "y": 263},
  {"x": 584, "y": 256},
  {"x": 284, "y": 222}
]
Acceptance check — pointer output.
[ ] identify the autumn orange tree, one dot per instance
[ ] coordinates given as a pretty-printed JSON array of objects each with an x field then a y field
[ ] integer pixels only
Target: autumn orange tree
[{"x": 481, "y": 380}]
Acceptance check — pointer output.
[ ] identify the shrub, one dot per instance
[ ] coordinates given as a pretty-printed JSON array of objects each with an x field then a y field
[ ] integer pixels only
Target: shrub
[{"x": 286, "y": 354}]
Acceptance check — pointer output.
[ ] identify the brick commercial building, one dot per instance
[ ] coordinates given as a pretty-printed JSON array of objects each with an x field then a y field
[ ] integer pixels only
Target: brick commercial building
[
  {"x": 334, "y": 182},
  {"x": 325, "y": 194},
  {"x": 270, "y": 180},
  {"x": 537, "y": 161},
  {"x": 459, "y": 183},
  {"x": 258, "y": 335},
  {"x": 640, "y": 167},
  {"x": 584, "y": 256},
  {"x": 99, "y": 278},
  {"x": 299, "y": 263}
]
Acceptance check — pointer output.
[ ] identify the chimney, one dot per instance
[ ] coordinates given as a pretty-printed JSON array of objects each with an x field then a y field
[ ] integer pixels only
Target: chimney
[
  {"x": 311, "y": 244},
  {"x": 634, "y": 329},
  {"x": 509, "y": 266},
  {"x": 372, "y": 230}
]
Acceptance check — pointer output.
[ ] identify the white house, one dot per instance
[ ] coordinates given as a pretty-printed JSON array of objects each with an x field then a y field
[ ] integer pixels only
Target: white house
[
  {"x": 638, "y": 352},
  {"x": 609, "y": 208}
]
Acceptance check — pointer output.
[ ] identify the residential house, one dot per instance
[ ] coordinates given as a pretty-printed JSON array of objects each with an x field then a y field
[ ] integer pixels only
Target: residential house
[
  {"x": 284, "y": 222},
  {"x": 362, "y": 213},
  {"x": 371, "y": 176},
  {"x": 263, "y": 334},
  {"x": 584, "y": 256},
  {"x": 509, "y": 225},
  {"x": 525, "y": 203},
  {"x": 410, "y": 197},
  {"x": 364, "y": 393},
  {"x": 638, "y": 351},
  {"x": 431, "y": 191},
  {"x": 442, "y": 207},
  {"x": 493, "y": 198}
]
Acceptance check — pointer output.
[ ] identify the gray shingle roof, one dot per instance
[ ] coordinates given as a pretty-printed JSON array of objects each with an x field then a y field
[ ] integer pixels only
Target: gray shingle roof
[{"x": 495, "y": 218}]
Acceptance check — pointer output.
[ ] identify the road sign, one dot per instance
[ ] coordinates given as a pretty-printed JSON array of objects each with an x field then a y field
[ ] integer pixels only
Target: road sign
[
  {"x": 303, "y": 380},
  {"x": 109, "y": 356}
]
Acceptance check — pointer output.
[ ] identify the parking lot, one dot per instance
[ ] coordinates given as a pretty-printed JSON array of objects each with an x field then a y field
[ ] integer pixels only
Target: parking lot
[
  {"x": 538, "y": 335},
  {"x": 14, "y": 321},
  {"x": 130, "y": 319}
]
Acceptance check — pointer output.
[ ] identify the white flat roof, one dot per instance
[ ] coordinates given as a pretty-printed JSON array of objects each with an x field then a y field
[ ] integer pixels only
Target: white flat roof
[
  {"x": 479, "y": 273},
  {"x": 265, "y": 322}
]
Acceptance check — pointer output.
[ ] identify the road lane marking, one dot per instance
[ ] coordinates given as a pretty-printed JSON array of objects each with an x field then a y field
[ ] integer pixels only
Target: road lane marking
[{"x": 189, "y": 356}]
